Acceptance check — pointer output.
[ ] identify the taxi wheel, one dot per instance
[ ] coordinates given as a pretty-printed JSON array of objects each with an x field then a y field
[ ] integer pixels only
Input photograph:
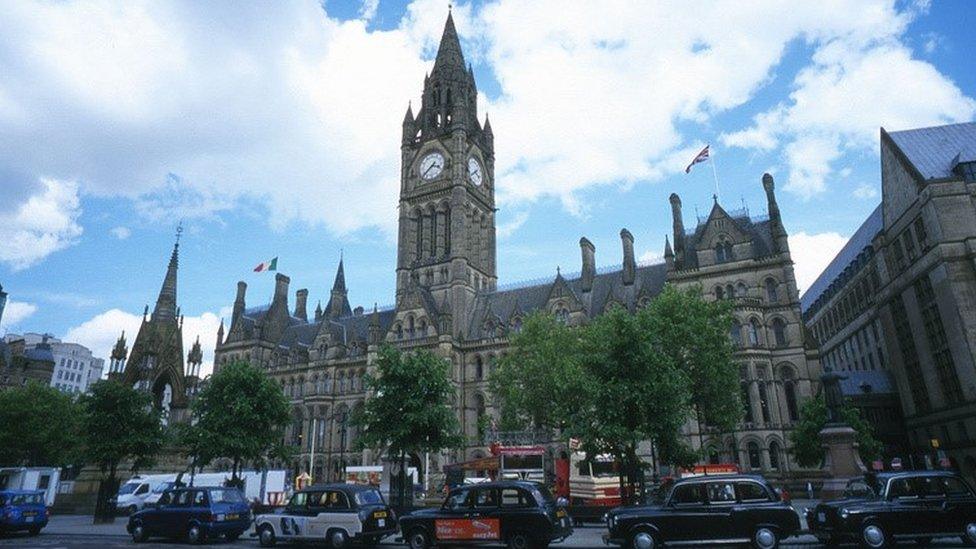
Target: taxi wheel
[
  {"x": 873, "y": 536},
  {"x": 418, "y": 539},
  {"x": 338, "y": 539},
  {"x": 266, "y": 536},
  {"x": 194, "y": 534},
  {"x": 643, "y": 539},
  {"x": 765, "y": 538},
  {"x": 519, "y": 540},
  {"x": 34, "y": 531},
  {"x": 139, "y": 533},
  {"x": 969, "y": 537}
]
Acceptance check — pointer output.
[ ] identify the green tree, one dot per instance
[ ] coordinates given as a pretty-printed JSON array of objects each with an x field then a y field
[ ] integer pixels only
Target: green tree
[
  {"x": 39, "y": 427},
  {"x": 807, "y": 447},
  {"x": 533, "y": 383},
  {"x": 120, "y": 425},
  {"x": 240, "y": 414},
  {"x": 694, "y": 333},
  {"x": 410, "y": 408}
]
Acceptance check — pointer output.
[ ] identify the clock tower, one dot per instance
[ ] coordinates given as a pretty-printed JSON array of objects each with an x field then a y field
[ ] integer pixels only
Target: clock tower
[{"x": 447, "y": 201}]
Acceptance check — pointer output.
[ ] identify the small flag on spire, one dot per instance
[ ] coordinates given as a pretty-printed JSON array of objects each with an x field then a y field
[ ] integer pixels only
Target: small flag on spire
[
  {"x": 702, "y": 156},
  {"x": 267, "y": 266}
]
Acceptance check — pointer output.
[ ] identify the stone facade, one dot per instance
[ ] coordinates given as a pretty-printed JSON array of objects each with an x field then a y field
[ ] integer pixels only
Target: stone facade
[
  {"x": 448, "y": 301},
  {"x": 903, "y": 291}
]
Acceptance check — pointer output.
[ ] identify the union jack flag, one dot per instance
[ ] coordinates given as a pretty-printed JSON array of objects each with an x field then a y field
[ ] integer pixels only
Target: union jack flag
[{"x": 702, "y": 156}]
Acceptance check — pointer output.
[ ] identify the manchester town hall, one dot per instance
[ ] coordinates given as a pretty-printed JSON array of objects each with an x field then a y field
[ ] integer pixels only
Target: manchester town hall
[{"x": 448, "y": 301}]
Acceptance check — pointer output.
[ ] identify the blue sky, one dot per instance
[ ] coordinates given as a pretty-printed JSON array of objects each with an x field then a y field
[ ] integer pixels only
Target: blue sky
[{"x": 273, "y": 130}]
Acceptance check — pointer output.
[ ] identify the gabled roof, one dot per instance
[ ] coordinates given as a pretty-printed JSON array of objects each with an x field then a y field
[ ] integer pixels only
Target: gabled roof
[
  {"x": 758, "y": 230},
  {"x": 935, "y": 151},
  {"x": 860, "y": 240}
]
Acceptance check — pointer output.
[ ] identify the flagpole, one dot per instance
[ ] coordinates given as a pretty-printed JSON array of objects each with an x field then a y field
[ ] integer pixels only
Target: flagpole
[{"x": 711, "y": 157}]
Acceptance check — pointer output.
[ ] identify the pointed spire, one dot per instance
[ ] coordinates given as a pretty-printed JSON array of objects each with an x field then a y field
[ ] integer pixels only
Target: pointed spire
[
  {"x": 165, "y": 310},
  {"x": 340, "y": 278},
  {"x": 408, "y": 117},
  {"x": 449, "y": 54},
  {"x": 220, "y": 334},
  {"x": 487, "y": 129},
  {"x": 120, "y": 350},
  {"x": 318, "y": 311},
  {"x": 668, "y": 252}
]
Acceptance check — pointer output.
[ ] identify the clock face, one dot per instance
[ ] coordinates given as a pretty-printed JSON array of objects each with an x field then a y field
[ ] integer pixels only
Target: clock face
[
  {"x": 431, "y": 165},
  {"x": 474, "y": 171}
]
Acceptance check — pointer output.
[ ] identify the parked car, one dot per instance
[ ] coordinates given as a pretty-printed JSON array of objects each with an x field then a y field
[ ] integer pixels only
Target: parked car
[
  {"x": 881, "y": 508},
  {"x": 333, "y": 513},
  {"x": 193, "y": 514},
  {"x": 521, "y": 514},
  {"x": 22, "y": 510},
  {"x": 704, "y": 511}
]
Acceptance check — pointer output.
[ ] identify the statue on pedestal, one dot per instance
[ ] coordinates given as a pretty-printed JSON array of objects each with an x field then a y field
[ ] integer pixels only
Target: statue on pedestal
[
  {"x": 839, "y": 439},
  {"x": 833, "y": 394}
]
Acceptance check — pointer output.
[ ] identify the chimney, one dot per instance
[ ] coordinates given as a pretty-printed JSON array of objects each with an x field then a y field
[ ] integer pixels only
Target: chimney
[
  {"x": 630, "y": 265},
  {"x": 301, "y": 297},
  {"x": 281, "y": 288},
  {"x": 780, "y": 238},
  {"x": 589, "y": 264},
  {"x": 358, "y": 311},
  {"x": 678, "y": 226},
  {"x": 239, "y": 302}
]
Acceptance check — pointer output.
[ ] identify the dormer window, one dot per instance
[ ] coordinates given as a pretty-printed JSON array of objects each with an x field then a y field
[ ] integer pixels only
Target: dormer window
[
  {"x": 723, "y": 251},
  {"x": 562, "y": 314}
]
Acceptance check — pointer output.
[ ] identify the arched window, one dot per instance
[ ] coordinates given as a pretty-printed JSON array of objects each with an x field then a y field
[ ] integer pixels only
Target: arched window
[
  {"x": 774, "y": 456},
  {"x": 746, "y": 401},
  {"x": 753, "y": 328},
  {"x": 789, "y": 388},
  {"x": 479, "y": 368},
  {"x": 342, "y": 383},
  {"x": 423, "y": 327},
  {"x": 741, "y": 290},
  {"x": 720, "y": 253},
  {"x": 779, "y": 332},
  {"x": 562, "y": 315},
  {"x": 755, "y": 457},
  {"x": 772, "y": 290},
  {"x": 326, "y": 384},
  {"x": 736, "y": 333},
  {"x": 763, "y": 400},
  {"x": 411, "y": 332},
  {"x": 729, "y": 291},
  {"x": 719, "y": 293},
  {"x": 399, "y": 331},
  {"x": 728, "y": 252}
]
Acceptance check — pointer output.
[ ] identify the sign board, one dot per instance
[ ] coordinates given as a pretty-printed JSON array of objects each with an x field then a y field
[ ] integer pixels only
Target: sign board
[
  {"x": 935, "y": 442},
  {"x": 468, "y": 529},
  {"x": 520, "y": 450}
]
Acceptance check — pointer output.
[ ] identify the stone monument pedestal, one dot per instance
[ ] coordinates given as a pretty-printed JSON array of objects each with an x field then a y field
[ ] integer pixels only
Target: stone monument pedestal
[{"x": 843, "y": 462}]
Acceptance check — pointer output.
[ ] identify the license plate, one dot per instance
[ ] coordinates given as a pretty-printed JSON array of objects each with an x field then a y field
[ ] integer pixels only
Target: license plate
[
  {"x": 821, "y": 517},
  {"x": 28, "y": 519},
  {"x": 380, "y": 514},
  {"x": 232, "y": 516},
  {"x": 560, "y": 513},
  {"x": 381, "y": 523}
]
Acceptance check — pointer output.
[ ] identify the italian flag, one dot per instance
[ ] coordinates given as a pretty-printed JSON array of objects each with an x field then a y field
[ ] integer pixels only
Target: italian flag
[{"x": 267, "y": 266}]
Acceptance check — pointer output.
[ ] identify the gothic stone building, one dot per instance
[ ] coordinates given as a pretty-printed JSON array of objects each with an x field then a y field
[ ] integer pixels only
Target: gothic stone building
[
  {"x": 900, "y": 296},
  {"x": 447, "y": 298}
]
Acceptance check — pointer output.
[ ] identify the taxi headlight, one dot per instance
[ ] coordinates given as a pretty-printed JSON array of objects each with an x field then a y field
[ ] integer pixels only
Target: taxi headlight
[{"x": 844, "y": 513}]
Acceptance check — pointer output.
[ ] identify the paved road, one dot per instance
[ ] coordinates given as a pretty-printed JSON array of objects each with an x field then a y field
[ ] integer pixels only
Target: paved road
[{"x": 78, "y": 532}]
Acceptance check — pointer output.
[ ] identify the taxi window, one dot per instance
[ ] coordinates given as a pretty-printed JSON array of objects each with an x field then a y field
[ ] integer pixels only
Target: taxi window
[
  {"x": 336, "y": 500},
  {"x": 720, "y": 492},
  {"x": 751, "y": 491},
  {"x": 513, "y": 497},
  {"x": 485, "y": 498},
  {"x": 902, "y": 488},
  {"x": 166, "y": 498},
  {"x": 858, "y": 489},
  {"x": 298, "y": 500},
  {"x": 457, "y": 500},
  {"x": 955, "y": 487},
  {"x": 200, "y": 498},
  {"x": 688, "y": 494},
  {"x": 929, "y": 487}
]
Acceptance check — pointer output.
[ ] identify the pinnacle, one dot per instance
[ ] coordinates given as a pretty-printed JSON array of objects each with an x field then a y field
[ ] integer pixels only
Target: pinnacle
[{"x": 449, "y": 54}]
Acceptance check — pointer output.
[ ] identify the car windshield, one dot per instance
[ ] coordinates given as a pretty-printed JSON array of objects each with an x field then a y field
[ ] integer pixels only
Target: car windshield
[
  {"x": 26, "y": 499},
  {"x": 128, "y": 488},
  {"x": 861, "y": 489},
  {"x": 163, "y": 487},
  {"x": 367, "y": 497},
  {"x": 227, "y": 495}
]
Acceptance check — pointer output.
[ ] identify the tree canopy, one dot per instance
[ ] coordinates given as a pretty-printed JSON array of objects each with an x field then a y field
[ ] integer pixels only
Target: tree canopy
[
  {"x": 41, "y": 427},
  {"x": 240, "y": 414},
  {"x": 120, "y": 424},
  {"x": 807, "y": 446}
]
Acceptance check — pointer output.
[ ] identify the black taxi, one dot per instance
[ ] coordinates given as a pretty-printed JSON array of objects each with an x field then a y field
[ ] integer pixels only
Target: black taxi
[
  {"x": 881, "y": 508},
  {"x": 519, "y": 514},
  {"x": 705, "y": 511}
]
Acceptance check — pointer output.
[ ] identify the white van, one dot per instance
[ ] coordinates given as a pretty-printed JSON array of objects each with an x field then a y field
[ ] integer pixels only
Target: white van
[
  {"x": 274, "y": 485},
  {"x": 133, "y": 494}
]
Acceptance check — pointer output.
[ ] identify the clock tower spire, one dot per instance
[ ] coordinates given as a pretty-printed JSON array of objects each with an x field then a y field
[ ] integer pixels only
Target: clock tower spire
[{"x": 447, "y": 199}]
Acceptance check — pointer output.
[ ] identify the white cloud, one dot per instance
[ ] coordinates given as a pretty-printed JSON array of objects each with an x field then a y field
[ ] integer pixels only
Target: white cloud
[
  {"x": 811, "y": 254},
  {"x": 15, "y": 312},
  {"x": 120, "y": 232},
  {"x": 45, "y": 223},
  {"x": 101, "y": 332},
  {"x": 650, "y": 256},
  {"x": 866, "y": 190},
  {"x": 507, "y": 229},
  {"x": 296, "y": 111}
]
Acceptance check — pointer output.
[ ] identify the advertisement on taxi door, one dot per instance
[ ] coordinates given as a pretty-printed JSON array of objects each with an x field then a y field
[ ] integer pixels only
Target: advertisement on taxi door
[{"x": 487, "y": 528}]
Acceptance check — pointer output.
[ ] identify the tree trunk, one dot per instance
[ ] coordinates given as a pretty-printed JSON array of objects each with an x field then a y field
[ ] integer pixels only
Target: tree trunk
[
  {"x": 620, "y": 476},
  {"x": 104, "y": 505}
]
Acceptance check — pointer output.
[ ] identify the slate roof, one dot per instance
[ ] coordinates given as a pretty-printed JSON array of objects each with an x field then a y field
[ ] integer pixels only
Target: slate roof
[
  {"x": 935, "y": 151},
  {"x": 648, "y": 280},
  {"x": 300, "y": 332},
  {"x": 860, "y": 240},
  {"x": 876, "y": 381}
]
